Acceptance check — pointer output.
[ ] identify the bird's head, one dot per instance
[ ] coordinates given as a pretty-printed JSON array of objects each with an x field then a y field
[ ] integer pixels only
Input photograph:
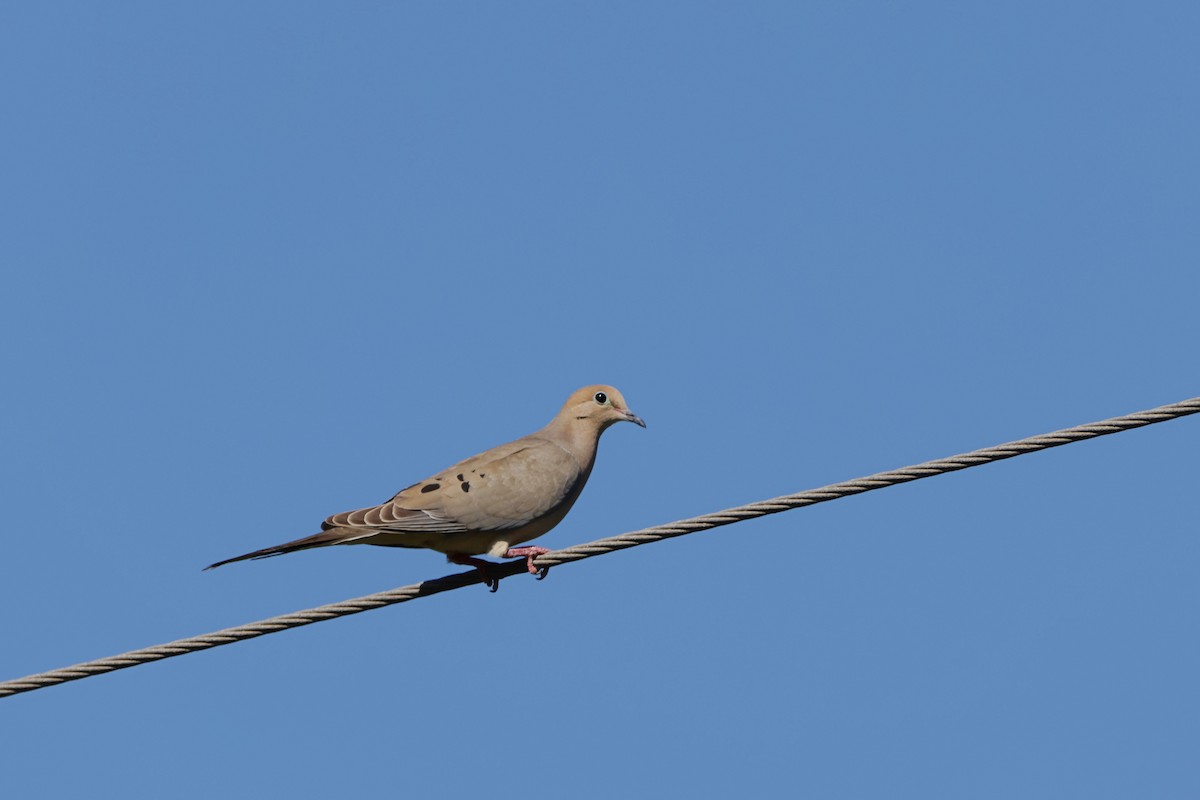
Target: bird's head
[{"x": 598, "y": 405}]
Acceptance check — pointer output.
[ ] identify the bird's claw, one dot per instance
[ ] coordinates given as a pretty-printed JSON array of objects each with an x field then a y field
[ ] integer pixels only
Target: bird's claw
[
  {"x": 490, "y": 579},
  {"x": 530, "y": 553}
]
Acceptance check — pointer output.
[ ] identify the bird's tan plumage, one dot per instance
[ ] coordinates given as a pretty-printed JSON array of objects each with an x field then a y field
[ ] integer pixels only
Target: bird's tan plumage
[{"x": 489, "y": 502}]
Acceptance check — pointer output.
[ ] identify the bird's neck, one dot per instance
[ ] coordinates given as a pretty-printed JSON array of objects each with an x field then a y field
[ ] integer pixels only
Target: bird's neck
[{"x": 577, "y": 439}]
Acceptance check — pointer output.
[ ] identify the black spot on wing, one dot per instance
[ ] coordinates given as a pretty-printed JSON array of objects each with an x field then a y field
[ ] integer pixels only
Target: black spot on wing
[{"x": 430, "y": 487}]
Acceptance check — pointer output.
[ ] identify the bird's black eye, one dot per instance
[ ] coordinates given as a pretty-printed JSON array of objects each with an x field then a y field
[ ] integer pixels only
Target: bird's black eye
[{"x": 601, "y": 398}]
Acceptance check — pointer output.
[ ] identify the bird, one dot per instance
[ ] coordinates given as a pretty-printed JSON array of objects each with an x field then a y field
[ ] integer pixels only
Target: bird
[{"x": 489, "y": 503}]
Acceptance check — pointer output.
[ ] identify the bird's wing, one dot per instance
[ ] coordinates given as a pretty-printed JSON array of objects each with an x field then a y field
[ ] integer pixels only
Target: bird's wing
[{"x": 507, "y": 487}]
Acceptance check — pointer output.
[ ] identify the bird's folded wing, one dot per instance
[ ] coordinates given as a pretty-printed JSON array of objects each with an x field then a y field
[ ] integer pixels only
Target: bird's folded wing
[
  {"x": 501, "y": 489},
  {"x": 514, "y": 490}
]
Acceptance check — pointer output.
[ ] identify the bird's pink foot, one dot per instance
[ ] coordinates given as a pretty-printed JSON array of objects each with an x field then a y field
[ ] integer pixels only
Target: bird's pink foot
[
  {"x": 490, "y": 580},
  {"x": 530, "y": 553}
]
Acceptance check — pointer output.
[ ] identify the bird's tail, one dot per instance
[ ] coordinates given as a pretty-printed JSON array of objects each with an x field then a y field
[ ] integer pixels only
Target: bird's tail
[{"x": 322, "y": 539}]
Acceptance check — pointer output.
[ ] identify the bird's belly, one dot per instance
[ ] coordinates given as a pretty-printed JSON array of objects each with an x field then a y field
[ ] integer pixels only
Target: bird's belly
[{"x": 466, "y": 543}]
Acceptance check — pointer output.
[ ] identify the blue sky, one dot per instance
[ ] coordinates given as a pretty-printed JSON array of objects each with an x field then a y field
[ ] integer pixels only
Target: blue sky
[{"x": 267, "y": 262}]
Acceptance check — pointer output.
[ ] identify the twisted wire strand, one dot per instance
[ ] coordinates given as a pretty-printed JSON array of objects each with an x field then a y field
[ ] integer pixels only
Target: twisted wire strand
[
  {"x": 601, "y": 546},
  {"x": 877, "y": 481}
]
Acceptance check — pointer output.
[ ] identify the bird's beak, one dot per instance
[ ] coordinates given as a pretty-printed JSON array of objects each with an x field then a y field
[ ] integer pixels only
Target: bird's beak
[{"x": 632, "y": 417}]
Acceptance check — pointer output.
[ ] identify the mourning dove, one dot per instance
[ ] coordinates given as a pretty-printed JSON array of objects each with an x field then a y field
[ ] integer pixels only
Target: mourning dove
[{"x": 489, "y": 502}]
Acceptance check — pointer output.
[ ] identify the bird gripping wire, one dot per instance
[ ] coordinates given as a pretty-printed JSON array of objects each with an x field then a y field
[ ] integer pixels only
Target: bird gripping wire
[{"x": 602, "y": 546}]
